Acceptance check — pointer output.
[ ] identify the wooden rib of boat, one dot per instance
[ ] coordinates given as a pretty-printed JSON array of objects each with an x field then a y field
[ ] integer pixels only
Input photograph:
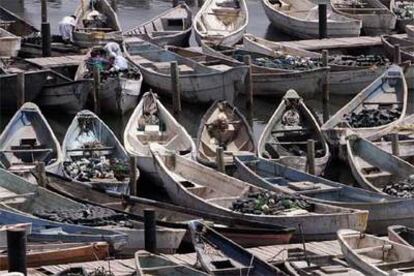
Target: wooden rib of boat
[
  {"x": 285, "y": 136},
  {"x": 406, "y": 46},
  {"x": 28, "y": 139},
  {"x": 172, "y": 27},
  {"x": 150, "y": 123},
  {"x": 384, "y": 210},
  {"x": 15, "y": 24},
  {"x": 199, "y": 83},
  {"x": 59, "y": 254},
  {"x": 300, "y": 19},
  {"x": 374, "y": 168},
  {"x": 109, "y": 29},
  {"x": 402, "y": 21},
  {"x": 89, "y": 137},
  {"x": 375, "y": 256},
  {"x": 221, "y": 22},
  {"x": 387, "y": 92},
  {"x": 401, "y": 234},
  {"x": 343, "y": 79},
  {"x": 152, "y": 264},
  {"x": 9, "y": 43},
  {"x": 193, "y": 185},
  {"x": 235, "y": 136},
  {"x": 376, "y": 18},
  {"x": 220, "y": 256},
  {"x": 35, "y": 201}
]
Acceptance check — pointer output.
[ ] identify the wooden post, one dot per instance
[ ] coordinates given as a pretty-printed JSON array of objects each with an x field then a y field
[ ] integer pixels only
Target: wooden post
[
  {"x": 41, "y": 174},
  {"x": 325, "y": 87},
  {"x": 323, "y": 23},
  {"x": 43, "y": 12},
  {"x": 16, "y": 250},
  {"x": 96, "y": 90},
  {"x": 176, "y": 89},
  {"x": 248, "y": 84},
  {"x": 395, "y": 144},
  {"x": 114, "y": 5},
  {"x": 220, "y": 159},
  {"x": 311, "y": 156},
  {"x": 397, "y": 54},
  {"x": 20, "y": 93},
  {"x": 45, "y": 29},
  {"x": 150, "y": 231},
  {"x": 132, "y": 175}
]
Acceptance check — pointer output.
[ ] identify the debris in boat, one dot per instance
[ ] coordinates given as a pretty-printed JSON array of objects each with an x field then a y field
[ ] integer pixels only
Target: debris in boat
[
  {"x": 373, "y": 117},
  {"x": 404, "y": 10},
  {"x": 403, "y": 188},
  {"x": 267, "y": 203}
]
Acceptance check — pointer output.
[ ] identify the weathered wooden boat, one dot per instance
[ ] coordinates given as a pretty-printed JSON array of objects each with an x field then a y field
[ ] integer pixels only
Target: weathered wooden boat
[
  {"x": 220, "y": 256},
  {"x": 387, "y": 96},
  {"x": 199, "y": 83},
  {"x": 28, "y": 139},
  {"x": 152, "y": 264},
  {"x": 119, "y": 90},
  {"x": 193, "y": 185},
  {"x": 59, "y": 253},
  {"x": 285, "y": 136},
  {"x": 221, "y": 22},
  {"x": 406, "y": 46},
  {"x": 343, "y": 79},
  {"x": 106, "y": 28},
  {"x": 34, "y": 201},
  {"x": 89, "y": 140},
  {"x": 384, "y": 210},
  {"x": 9, "y": 44},
  {"x": 15, "y": 24},
  {"x": 375, "y": 256},
  {"x": 404, "y": 16},
  {"x": 172, "y": 27},
  {"x": 150, "y": 123},
  {"x": 376, "y": 18},
  {"x": 224, "y": 126},
  {"x": 401, "y": 234},
  {"x": 300, "y": 19}
]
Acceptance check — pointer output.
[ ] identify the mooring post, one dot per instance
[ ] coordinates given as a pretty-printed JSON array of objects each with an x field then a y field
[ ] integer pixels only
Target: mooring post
[
  {"x": 96, "y": 90},
  {"x": 325, "y": 87},
  {"x": 220, "y": 159},
  {"x": 248, "y": 84},
  {"x": 397, "y": 54},
  {"x": 175, "y": 81},
  {"x": 20, "y": 93},
  {"x": 114, "y": 5},
  {"x": 150, "y": 231},
  {"x": 132, "y": 175},
  {"x": 323, "y": 23},
  {"x": 41, "y": 174},
  {"x": 395, "y": 144},
  {"x": 311, "y": 156},
  {"x": 16, "y": 250},
  {"x": 45, "y": 29}
]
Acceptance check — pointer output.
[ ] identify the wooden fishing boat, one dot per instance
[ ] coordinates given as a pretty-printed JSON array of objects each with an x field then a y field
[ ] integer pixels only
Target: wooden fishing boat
[
  {"x": 221, "y": 22},
  {"x": 9, "y": 44},
  {"x": 172, "y": 27},
  {"x": 286, "y": 135},
  {"x": 373, "y": 168},
  {"x": 193, "y": 185},
  {"x": 59, "y": 253},
  {"x": 375, "y": 256},
  {"x": 234, "y": 138},
  {"x": 199, "y": 83},
  {"x": 384, "y": 210},
  {"x": 401, "y": 234},
  {"x": 106, "y": 28},
  {"x": 34, "y": 201},
  {"x": 119, "y": 90},
  {"x": 89, "y": 140},
  {"x": 343, "y": 79},
  {"x": 376, "y": 18},
  {"x": 406, "y": 46},
  {"x": 152, "y": 264},
  {"x": 402, "y": 20},
  {"x": 142, "y": 130},
  {"x": 386, "y": 95},
  {"x": 15, "y": 24},
  {"x": 220, "y": 256},
  {"x": 300, "y": 19},
  {"x": 28, "y": 139}
]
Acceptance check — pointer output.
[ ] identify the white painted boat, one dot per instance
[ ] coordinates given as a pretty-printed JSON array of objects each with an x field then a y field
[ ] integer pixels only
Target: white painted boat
[
  {"x": 86, "y": 36},
  {"x": 406, "y": 46},
  {"x": 300, "y": 19},
  {"x": 375, "y": 256},
  {"x": 284, "y": 138},
  {"x": 386, "y": 92},
  {"x": 172, "y": 27},
  {"x": 139, "y": 133},
  {"x": 9, "y": 44},
  {"x": 376, "y": 18},
  {"x": 221, "y": 22}
]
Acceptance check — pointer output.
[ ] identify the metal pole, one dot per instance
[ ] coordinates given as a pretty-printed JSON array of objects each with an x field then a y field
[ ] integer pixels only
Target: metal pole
[
  {"x": 45, "y": 29},
  {"x": 325, "y": 87},
  {"x": 395, "y": 144},
  {"x": 150, "y": 231},
  {"x": 397, "y": 54},
  {"x": 176, "y": 89},
  {"x": 323, "y": 24},
  {"x": 220, "y": 159},
  {"x": 311, "y": 156},
  {"x": 248, "y": 84},
  {"x": 16, "y": 250},
  {"x": 20, "y": 93},
  {"x": 132, "y": 175},
  {"x": 96, "y": 90}
]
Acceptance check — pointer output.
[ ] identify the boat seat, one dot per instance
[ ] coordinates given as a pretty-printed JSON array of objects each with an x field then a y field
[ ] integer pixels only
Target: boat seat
[
  {"x": 273, "y": 179},
  {"x": 409, "y": 265},
  {"x": 91, "y": 149},
  {"x": 304, "y": 186},
  {"x": 384, "y": 247},
  {"x": 379, "y": 174},
  {"x": 290, "y": 130},
  {"x": 23, "y": 150}
]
